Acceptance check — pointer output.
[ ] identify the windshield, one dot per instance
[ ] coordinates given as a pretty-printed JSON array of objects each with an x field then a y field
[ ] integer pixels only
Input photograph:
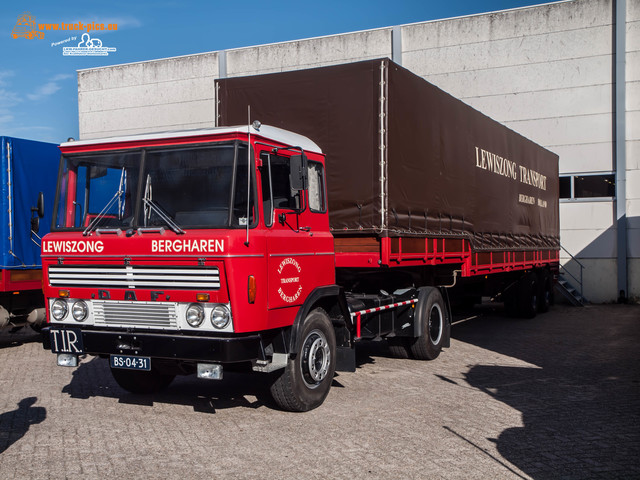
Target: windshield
[{"x": 196, "y": 187}]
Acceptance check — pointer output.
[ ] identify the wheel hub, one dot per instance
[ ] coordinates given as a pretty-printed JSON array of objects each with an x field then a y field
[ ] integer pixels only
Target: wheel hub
[{"x": 316, "y": 358}]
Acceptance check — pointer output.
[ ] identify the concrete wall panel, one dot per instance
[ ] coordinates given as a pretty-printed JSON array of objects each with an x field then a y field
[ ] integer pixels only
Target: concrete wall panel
[
  {"x": 567, "y": 130},
  {"x": 577, "y": 215},
  {"x": 532, "y": 21},
  {"x": 164, "y": 117},
  {"x": 548, "y": 104},
  {"x": 564, "y": 74},
  {"x": 309, "y": 53},
  {"x": 585, "y": 158},
  {"x": 633, "y": 274},
  {"x": 597, "y": 275},
  {"x": 539, "y": 49},
  {"x": 164, "y": 70}
]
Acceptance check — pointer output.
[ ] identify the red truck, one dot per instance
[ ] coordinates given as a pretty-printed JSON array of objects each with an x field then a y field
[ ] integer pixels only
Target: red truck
[{"x": 182, "y": 253}]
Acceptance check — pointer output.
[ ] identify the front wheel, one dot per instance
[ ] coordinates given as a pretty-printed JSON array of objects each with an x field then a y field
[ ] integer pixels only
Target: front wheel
[
  {"x": 141, "y": 382},
  {"x": 305, "y": 381}
]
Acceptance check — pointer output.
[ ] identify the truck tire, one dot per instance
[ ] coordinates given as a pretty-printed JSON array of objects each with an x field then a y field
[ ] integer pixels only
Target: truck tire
[
  {"x": 399, "y": 347},
  {"x": 528, "y": 296},
  {"x": 134, "y": 381},
  {"x": 429, "y": 344},
  {"x": 305, "y": 381},
  {"x": 545, "y": 291},
  {"x": 510, "y": 296}
]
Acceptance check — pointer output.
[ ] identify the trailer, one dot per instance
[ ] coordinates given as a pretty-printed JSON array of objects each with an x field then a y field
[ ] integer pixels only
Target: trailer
[
  {"x": 188, "y": 252},
  {"x": 28, "y": 168}
]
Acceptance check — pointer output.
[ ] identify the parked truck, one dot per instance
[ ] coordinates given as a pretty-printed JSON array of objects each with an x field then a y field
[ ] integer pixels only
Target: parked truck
[
  {"x": 28, "y": 167},
  {"x": 188, "y": 252}
]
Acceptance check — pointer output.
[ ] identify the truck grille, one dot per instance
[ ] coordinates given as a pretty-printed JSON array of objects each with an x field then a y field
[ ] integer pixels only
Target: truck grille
[
  {"x": 135, "y": 276},
  {"x": 135, "y": 314}
]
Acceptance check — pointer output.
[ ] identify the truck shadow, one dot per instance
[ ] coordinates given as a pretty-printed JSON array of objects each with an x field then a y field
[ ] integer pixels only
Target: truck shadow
[
  {"x": 19, "y": 337},
  {"x": 579, "y": 396},
  {"x": 15, "y": 424},
  {"x": 93, "y": 378}
]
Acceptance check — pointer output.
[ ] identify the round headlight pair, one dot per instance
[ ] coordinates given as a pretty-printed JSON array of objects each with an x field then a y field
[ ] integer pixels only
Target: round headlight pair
[
  {"x": 220, "y": 315},
  {"x": 79, "y": 310}
]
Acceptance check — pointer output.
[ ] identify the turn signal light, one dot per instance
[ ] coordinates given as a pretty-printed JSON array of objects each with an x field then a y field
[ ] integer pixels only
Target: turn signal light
[
  {"x": 63, "y": 293},
  {"x": 251, "y": 289},
  {"x": 202, "y": 297}
]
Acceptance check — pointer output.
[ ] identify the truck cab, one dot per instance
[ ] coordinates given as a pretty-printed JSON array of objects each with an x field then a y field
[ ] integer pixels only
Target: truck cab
[{"x": 184, "y": 252}]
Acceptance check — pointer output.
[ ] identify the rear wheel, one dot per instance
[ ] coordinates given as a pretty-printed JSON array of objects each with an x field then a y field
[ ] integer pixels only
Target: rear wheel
[
  {"x": 528, "y": 296},
  {"x": 429, "y": 344},
  {"x": 545, "y": 292},
  {"x": 134, "y": 381},
  {"x": 305, "y": 381},
  {"x": 399, "y": 347}
]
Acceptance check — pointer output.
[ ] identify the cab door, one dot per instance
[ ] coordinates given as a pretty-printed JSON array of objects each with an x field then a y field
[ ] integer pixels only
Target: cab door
[{"x": 299, "y": 244}]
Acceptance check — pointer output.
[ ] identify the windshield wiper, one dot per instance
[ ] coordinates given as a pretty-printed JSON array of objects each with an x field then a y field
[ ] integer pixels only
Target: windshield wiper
[
  {"x": 150, "y": 205},
  {"x": 117, "y": 196}
]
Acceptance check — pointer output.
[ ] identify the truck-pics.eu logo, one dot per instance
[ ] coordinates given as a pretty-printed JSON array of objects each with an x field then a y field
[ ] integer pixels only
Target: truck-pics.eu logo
[{"x": 26, "y": 27}]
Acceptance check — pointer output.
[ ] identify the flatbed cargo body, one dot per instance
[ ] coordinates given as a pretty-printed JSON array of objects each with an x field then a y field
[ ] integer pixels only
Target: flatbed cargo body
[{"x": 415, "y": 176}]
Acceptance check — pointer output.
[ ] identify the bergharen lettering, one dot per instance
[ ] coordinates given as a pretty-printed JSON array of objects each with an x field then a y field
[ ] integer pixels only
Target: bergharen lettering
[{"x": 187, "y": 246}]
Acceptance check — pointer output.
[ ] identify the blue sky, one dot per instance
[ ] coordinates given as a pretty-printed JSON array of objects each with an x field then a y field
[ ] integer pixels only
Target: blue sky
[{"x": 38, "y": 84}]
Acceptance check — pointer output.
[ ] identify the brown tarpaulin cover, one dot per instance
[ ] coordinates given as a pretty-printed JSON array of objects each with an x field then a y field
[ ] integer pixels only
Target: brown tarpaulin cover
[{"x": 448, "y": 171}]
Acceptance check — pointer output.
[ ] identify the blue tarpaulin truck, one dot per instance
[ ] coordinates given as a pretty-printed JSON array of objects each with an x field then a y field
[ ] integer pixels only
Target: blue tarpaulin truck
[{"x": 28, "y": 168}]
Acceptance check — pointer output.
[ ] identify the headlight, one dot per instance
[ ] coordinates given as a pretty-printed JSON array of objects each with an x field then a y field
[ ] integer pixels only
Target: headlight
[
  {"x": 195, "y": 314},
  {"x": 59, "y": 309},
  {"x": 79, "y": 311},
  {"x": 220, "y": 316}
]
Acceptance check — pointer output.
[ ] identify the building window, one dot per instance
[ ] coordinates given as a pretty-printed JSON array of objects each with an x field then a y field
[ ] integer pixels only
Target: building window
[
  {"x": 565, "y": 187},
  {"x": 583, "y": 186}
]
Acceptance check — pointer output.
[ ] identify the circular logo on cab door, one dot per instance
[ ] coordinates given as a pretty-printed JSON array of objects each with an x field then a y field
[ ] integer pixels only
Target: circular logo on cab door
[{"x": 290, "y": 287}]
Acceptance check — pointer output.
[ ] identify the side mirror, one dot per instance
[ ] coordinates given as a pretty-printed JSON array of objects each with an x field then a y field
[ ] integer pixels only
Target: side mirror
[
  {"x": 40, "y": 205},
  {"x": 35, "y": 224},
  {"x": 298, "y": 172}
]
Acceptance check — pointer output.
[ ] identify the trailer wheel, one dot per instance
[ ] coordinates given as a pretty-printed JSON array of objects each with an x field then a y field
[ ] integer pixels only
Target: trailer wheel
[
  {"x": 305, "y": 381},
  {"x": 528, "y": 296},
  {"x": 133, "y": 381},
  {"x": 545, "y": 291},
  {"x": 510, "y": 296},
  {"x": 429, "y": 344},
  {"x": 399, "y": 347}
]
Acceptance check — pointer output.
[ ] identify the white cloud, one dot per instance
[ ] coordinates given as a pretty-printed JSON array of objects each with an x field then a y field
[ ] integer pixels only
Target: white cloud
[{"x": 49, "y": 88}]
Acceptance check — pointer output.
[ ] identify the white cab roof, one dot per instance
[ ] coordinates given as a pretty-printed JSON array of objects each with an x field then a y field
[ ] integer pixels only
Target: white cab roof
[{"x": 266, "y": 131}]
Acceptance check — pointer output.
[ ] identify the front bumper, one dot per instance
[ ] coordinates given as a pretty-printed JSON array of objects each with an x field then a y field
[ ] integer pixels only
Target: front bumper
[{"x": 175, "y": 346}]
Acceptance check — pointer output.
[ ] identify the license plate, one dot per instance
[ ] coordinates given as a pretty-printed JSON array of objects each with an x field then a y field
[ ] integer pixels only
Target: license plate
[
  {"x": 66, "y": 340},
  {"x": 131, "y": 362}
]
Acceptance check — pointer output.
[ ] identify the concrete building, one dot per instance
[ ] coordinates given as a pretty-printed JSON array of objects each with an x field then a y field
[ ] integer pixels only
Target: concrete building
[{"x": 566, "y": 75}]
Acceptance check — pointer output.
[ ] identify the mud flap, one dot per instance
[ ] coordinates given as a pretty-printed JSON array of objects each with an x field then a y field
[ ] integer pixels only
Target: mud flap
[{"x": 345, "y": 359}]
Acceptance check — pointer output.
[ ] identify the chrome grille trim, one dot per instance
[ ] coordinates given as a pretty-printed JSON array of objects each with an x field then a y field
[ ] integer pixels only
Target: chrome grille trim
[
  {"x": 135, "y": 276},
  {"x": 135, "y": 314}
]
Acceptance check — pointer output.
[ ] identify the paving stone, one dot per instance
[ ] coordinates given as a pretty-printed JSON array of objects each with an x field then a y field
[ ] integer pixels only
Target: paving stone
[{"x": 557, "y": 396}]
